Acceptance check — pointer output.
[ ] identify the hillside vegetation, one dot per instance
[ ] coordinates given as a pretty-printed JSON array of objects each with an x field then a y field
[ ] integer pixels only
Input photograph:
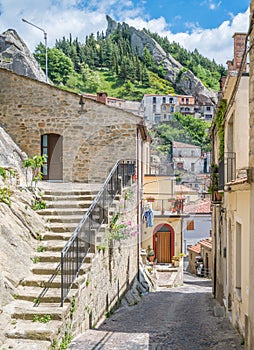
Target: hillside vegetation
[{"x": 110, "y": 64}]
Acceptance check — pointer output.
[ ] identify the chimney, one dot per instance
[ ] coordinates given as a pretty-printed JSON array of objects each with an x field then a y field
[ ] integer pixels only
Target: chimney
[
  {"x": 102, "y": 97},
  {"x": 239, "y": 47},
  {"x": 222, "y": 82},
  {"x": 230, "y": 65}
]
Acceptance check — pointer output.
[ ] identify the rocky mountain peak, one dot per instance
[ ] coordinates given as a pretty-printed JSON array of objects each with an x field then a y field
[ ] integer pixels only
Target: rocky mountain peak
[
  {"x": 15, "y": 56},
  {"x": 184, "y": 81}
]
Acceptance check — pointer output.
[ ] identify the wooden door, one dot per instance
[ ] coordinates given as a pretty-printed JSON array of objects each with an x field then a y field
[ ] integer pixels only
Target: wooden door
[
  {"x": 52, "y": 146},
  {"x": 163, "y": 246}
]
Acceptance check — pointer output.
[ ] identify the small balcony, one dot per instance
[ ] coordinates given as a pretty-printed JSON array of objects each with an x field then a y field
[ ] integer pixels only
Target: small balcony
[{"x": 227, "y": 169}]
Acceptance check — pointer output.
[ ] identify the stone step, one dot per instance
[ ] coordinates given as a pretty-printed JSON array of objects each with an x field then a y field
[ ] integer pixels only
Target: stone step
[
  {"x": 60, "y": 227},
  {"x": 47, "y": 256},
  {"x": 24, "y": 310},
  {"x": 70, "y": 192},
  {"x": 62, "y": 211},
  {"x": 50, "y": 268},
  {"x": 67, "y": 205},
  {"x": 63, "y": 218},
  {"x": 54, "y": 236},
  {"x": 25, "y": 344},
  {"x": 32, "y": 294},
  {"x": 55, "y": 244},
  {"x": 45, "y": 268},
  {"x": 67, "y": 197},
  {"x": 23, "y": 329},
  {"x": 43, "y": 281}
]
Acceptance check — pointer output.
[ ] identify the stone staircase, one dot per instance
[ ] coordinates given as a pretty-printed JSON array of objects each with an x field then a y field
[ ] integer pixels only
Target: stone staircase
[{"x": 37, "y": 327}]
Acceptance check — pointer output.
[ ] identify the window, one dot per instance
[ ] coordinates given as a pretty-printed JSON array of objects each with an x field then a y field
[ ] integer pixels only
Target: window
[
  {"x": 164, "y": 108},
  {"x": 187, "y": 101},
  {"x": 190, "y": 225},
  {"x": 154, "y": 108},
  {"x": 179, "y": 165},
  {"x": 182, "y": 99},
  {"x": 180, "y": 154},
  {"x": 172, "y": 109},
  {"x": 154, "y": 99},
  {"x": 163, "y": 99},
  {"x": 208, "y": 108},
  {"x": 171, "y": 100},
  {"x": 192, "y": 167},
  {"x": 165, "y": 116}
]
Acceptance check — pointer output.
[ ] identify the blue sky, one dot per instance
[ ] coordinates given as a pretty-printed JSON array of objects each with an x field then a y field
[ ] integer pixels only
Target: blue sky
[{"x": 207, "y": 25}]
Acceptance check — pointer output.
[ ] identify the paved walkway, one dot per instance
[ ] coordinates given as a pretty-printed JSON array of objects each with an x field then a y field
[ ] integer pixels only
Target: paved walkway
[{"x": 169, "y": 319}]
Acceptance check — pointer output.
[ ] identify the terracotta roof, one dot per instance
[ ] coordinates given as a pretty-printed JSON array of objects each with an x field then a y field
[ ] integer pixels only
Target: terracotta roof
[
  {"x": 203, "y": 243},
  {"x": 195, "y": 248},
  {"x": 206, "y": 243},
  {"x": 201, "y": 207}
]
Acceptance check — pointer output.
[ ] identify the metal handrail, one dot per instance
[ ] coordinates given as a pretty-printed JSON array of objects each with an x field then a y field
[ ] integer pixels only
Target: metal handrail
[{"x": 79, "y": 245}]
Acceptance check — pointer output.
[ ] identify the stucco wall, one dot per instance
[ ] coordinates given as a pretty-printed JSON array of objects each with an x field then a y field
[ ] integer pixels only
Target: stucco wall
[{"x": 95, "y": 136}]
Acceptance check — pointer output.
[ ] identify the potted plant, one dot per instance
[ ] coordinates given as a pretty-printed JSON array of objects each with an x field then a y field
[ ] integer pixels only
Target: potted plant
[
  {"x": 150, "y": 199},
  {"x": 175, "y": 261},
  {"x": 150, "y": 254}
]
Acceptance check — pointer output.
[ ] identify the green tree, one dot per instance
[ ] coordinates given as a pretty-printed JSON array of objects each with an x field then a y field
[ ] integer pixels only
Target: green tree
[{"x": 60, "y": 67}]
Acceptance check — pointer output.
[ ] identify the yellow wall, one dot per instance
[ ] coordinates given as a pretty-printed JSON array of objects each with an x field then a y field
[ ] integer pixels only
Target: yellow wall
[{"x": 175, "y": 223}]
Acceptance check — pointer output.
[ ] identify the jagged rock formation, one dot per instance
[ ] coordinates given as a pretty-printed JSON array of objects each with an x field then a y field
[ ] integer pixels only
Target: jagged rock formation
[
  {"x": 184, "y": 81},
  {"x": 12, "y": 157},
  {"x": 15, "y": 56},
  {"x": 19, "y": 226}
]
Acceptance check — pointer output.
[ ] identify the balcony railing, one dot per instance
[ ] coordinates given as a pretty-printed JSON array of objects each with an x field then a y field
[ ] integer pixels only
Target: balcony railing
[
  {"x": 227, "y": 169},
  {"x": 83, "y": 238}
]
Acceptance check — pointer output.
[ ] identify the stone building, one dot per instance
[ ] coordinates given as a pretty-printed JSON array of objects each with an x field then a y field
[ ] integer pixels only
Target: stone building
[
  {"x": 187, "y": 157},
  {"x": 82, "y": 138}
]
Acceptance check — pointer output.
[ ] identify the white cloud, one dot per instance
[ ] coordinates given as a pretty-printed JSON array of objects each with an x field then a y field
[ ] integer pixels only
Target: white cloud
[
  {"x": 212, "y": 5},
  {"x": 61, "y": 17}
]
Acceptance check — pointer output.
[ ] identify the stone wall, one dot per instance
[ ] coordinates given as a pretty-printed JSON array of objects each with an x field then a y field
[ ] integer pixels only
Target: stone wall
[
  {"x": 112, "y": 271},
  {"x": 94, "y": 135}
]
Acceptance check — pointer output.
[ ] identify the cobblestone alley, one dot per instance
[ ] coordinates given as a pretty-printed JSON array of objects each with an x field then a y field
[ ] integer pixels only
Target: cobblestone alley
[{"x": 169, "y": 319}]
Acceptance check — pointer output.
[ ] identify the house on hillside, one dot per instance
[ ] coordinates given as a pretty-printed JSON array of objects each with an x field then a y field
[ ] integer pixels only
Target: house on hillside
[
  {"x": 160, "y": 108},
  {"x": 186, "y": 104},
  {"x": 187, "y": 157},
  {"x": 231, "y": 222}
]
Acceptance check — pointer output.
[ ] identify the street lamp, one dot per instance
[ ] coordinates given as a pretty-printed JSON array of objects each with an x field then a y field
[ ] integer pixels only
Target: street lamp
[{"x": 45, "y": 38}]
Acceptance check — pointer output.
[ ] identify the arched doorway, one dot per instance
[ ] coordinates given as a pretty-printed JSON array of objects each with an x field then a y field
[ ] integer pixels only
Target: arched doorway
[
  {"x": 164, "y": 243},
  {"x": 52, "y": 146}
]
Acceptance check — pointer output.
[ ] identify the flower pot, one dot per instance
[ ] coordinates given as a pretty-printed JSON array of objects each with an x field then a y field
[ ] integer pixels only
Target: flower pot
[{"x": 151, "y": 258}]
